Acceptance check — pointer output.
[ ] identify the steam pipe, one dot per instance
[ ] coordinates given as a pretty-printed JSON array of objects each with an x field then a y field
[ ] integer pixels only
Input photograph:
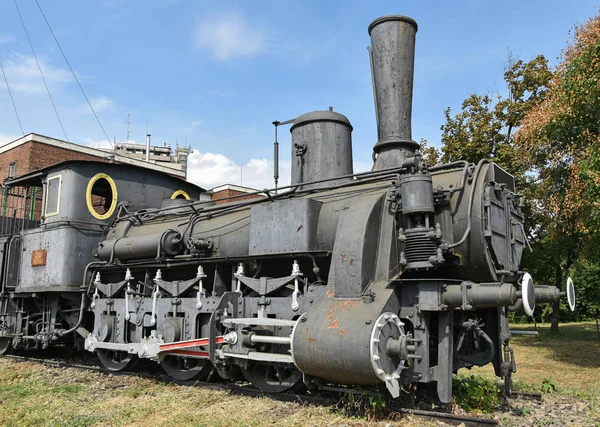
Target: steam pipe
[
  {"x": 470, "y": 206},
  {"x": 83, "y": 295}
]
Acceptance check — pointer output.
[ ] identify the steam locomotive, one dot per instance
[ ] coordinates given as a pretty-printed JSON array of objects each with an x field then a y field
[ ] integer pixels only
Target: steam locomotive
[{"x": 403, "y": 274}]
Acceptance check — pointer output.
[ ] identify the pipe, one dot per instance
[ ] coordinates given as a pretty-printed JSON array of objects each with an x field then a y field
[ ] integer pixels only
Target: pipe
[
  {"x": 481, "y": 358},
  {"x": 392, "y": 57},
  {"x": 471, "y": 296},
  {"x": 267, "y": 339},
  {"x": 83, "y": 294},
  {"x": 533, "y": 333},
  {"x": 276, "y": 156},
  {"x": 470, "y": 207},
  {"x": 148, "y": 147}
]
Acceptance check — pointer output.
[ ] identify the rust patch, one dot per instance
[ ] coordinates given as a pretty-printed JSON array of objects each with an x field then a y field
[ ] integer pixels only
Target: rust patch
[
  {"x": 346, "y": 305},
  {"x": 331, "y": 308},
  {"x": 334, "y": 325},
  {"x": 312, "y": 340},
  {"x": 329, "y": 294},
  {"x": 342, "y": 332},
  {"x": 351, "y": 261},
  {"x": 343, "y": 256}
]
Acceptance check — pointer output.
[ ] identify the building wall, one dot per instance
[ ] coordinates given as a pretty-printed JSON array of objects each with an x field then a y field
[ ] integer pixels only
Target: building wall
[
  {"x": 20, "y": 155},
  {"x": 34, "y": 155},
  {"x": 230, "y": 193},
  {"x": 42, "y": 155},
  {"x": 17, "y": 203}
]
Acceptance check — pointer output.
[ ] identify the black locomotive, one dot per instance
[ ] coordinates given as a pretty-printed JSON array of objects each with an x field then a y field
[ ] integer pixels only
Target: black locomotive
[{"x": 402, "y": 274}]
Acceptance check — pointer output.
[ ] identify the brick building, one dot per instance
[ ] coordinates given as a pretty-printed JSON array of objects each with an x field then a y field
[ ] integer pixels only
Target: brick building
[
  {"x": 32, "y": 152},
  {"x": 230, "y": 190}
]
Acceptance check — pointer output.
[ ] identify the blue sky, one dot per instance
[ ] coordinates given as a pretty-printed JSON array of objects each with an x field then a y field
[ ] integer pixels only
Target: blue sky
[{"x": 215, "y": 75}]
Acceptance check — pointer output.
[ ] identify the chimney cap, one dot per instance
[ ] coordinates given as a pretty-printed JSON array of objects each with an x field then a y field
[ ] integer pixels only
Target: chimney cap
[{"x": 393, "y": 18}]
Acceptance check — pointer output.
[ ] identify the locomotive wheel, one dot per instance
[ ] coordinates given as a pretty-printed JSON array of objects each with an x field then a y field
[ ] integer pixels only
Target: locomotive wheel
[
  {"x": 116, "y": 361},
  {"x": 272, "y": 378},
  {"x": 5, "y": 346},
  {"x": 186, "y": 369}
]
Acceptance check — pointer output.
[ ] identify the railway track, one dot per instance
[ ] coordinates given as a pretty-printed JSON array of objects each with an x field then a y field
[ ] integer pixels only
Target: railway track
[{"x": 332, "y": 395}]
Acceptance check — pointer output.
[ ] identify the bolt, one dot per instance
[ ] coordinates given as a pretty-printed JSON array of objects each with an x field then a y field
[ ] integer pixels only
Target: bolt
[
  {"x": 368, "y": 322},
  {"x": 303, "y": 319}
]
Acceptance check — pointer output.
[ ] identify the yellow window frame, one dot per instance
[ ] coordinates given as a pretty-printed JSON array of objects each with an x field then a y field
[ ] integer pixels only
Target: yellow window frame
[
  {"x": 180, "y": 193},
  {"x": 115, "y": 196}
]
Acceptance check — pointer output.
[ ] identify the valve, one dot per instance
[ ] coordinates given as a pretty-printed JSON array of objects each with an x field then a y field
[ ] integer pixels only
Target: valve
[
  {"x": 96, "y": 295},
  {"x": 239, "y": 273},
  {"x": 296, "y": 273},
  {"x": 155, "y": 296},
  {"x": 201, "y": 292}
]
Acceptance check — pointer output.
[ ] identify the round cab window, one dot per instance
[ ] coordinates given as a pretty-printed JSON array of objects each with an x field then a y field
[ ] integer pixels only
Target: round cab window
[
  {"x": 180, "y": 194},
  {"x": 101, "y": 196}
]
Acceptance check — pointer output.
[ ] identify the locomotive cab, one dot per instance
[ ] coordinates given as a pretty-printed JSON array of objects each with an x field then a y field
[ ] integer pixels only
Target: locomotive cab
[{"x": 52, "y": 220}]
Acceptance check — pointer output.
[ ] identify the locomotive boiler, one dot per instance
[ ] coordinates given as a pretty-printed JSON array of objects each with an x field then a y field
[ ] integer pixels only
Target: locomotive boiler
[{"x": 403, "y": 274}]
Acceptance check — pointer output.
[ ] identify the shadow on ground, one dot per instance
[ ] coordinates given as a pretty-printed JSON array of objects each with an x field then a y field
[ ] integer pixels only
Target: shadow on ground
[{"x": 575, "y": 343}]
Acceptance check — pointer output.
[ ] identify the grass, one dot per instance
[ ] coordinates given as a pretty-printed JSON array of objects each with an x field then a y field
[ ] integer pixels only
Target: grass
[
  {"x": 571, "y": 358},
  {"x": 32, "y": 394}
]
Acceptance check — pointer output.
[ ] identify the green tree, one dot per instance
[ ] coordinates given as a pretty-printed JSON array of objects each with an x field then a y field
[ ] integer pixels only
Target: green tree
[
  {"x": 485, "y": 126},
  {"x": 560, "y": 138}
]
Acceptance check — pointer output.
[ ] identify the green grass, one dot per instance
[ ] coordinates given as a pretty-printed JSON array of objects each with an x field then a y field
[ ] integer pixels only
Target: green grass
[
  {"x": 32, "y": 394},
  {"x": 36, "y": 395}
]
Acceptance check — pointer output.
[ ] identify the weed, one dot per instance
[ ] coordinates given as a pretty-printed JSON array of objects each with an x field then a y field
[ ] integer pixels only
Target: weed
[
  {"x": 376, "y": 406},
  {"x": 476, "y": 393},
  {"x": 548, "y": 386},
  {"x": 134, "y": 392},
  {"x": 523, "y": 411}
]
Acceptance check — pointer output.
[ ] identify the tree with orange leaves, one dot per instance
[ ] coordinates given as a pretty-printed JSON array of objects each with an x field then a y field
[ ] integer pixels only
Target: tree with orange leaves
[{"x": 561, "y": 139}]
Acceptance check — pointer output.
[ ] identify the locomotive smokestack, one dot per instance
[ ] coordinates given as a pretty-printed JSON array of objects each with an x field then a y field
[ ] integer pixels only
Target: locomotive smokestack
[{"x": 392, "y": 66}]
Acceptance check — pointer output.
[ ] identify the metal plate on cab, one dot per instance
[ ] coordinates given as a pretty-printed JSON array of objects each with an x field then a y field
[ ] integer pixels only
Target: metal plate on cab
[{"x": 38, "y": 258}]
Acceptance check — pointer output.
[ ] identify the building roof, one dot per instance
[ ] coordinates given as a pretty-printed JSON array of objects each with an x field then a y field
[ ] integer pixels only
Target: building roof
[
  {"x": 234, "y": 188},
  {"x": 105, "y": 154},
  {"x": 43, "y": 171}
]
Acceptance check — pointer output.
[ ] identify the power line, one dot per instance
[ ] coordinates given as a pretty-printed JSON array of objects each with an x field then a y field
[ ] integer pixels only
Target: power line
[
  {"x": 12, "y": 99},
  {"x": 41, "y": 73},
  {"x": 72, "y": 72}
]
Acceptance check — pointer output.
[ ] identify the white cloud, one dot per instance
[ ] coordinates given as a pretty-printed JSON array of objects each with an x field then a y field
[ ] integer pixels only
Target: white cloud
[
  {"x": 5, "y": 139},
  {"x": 6, "y": 38},
  {"x": 23, "y": 74},
  {"x": 230, "y": 36},
  {"x": 102, "y": 144},
  {"x": 209, "y": 170},
  {"x": 100, "y": 103},
  {"x": 196, "y": 123}
]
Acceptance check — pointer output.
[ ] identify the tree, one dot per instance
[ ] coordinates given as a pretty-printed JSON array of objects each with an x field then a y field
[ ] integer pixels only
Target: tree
[
  {"x": 484, "y": 128},
  {"x": 560, "y": 138}
]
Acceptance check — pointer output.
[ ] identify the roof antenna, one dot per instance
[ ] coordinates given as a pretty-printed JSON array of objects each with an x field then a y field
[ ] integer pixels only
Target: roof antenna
[{"x": 129, "y": 126}]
